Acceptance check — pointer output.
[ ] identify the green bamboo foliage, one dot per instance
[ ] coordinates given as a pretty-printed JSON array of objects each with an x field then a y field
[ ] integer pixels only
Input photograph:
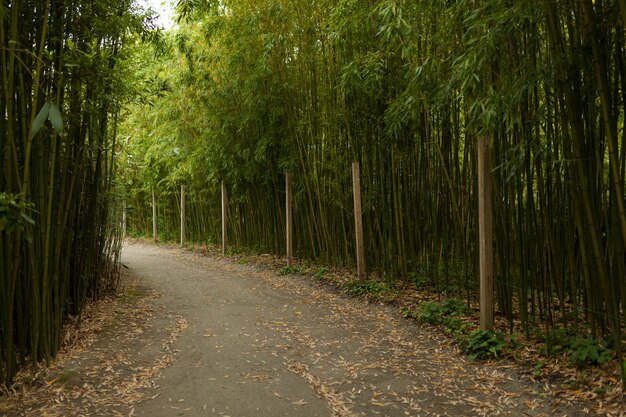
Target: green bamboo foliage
[
  {"x": 406, "y": 88},
  {"x": 60, "y": 93}
]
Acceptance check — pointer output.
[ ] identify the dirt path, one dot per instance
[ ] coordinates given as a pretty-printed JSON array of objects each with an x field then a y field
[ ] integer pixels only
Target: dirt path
[{"x": 230, "y": 340}]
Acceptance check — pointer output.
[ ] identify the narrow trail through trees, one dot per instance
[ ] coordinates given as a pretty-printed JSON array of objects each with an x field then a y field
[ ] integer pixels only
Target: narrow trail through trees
[
  {"x": 210, "y": 337},
  {"x": 258, "y": 344}
]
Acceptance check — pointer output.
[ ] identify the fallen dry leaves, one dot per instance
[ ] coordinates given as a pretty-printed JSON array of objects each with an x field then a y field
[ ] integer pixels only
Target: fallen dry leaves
[
  {"x": 91, "y": 376},
  {"x": 335, "y": 399},
  {"x": 429, "y": 374},
  {"x": 362, "y": 358}
]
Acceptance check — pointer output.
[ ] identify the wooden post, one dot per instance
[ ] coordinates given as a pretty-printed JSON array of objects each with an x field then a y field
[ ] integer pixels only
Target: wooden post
[
  {"x": 123, "y": 219},
  {"x": 224, "y": 219},
  {"x": 288, "y": 225},
  {"x": 485, "y": 233},
  {"x": 358, "y": 221},
  {"x": 182, "y": 214},
  {"x": 155, "y": 235}
]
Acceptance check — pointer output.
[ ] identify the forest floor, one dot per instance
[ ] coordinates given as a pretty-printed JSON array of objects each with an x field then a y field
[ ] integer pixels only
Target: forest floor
[{"x": 196, "y": 335}]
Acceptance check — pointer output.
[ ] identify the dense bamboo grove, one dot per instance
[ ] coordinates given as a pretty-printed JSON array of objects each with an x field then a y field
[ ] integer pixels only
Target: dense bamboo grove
[
  {"x": 61, "y": 71},
  {"x": 406, "y": 88}
]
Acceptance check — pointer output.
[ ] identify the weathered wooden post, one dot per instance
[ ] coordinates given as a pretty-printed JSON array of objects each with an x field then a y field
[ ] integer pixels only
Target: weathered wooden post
[
  {"x": 358, "y": 221},
  {"x": 485, "y": 233},
  {"x": 182, "y": 214},
  {"x": 224, "y": 219},
  {"x": 288, "y": 225},
  {"x": 155, "y": 234}
]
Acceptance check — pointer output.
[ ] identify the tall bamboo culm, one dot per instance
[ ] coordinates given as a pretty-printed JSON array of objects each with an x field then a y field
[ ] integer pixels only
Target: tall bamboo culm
[{"x": 60, "y": 237}]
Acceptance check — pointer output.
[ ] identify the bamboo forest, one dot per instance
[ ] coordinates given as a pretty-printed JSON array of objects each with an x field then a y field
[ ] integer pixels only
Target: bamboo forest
[{"x": 106, "y": 115}]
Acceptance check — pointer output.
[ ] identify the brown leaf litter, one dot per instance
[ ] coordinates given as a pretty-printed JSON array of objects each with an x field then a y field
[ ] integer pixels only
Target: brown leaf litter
[{"x": 92, "y": 375}]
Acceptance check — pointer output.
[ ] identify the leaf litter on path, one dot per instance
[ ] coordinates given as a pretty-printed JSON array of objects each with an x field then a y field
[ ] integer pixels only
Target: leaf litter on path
[
  {"x": 99, "y": 371},
  {"x": 369, "y": 359},
  {"x": 362, "y": 358}
]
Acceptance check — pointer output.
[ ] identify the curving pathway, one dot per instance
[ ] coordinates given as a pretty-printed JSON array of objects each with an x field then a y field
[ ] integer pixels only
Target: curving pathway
[{"x": 198, "y": 336}]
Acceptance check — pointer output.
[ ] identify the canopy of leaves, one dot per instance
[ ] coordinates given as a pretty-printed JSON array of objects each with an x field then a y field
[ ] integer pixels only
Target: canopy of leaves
[{"x": 252, "y": 89}]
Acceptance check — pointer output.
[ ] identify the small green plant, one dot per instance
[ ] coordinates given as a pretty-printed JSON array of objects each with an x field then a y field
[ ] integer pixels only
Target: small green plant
[
  {"x": 289, "y": 270},
  {"x": 581, "y": 350},
  {"x": 457, "y": 326},
  {"x": 419, "y": 280},
  {"x": 368, "y": 289},
  {"x": 409, "y": 313},
  {"x": 585, "y": 351},
  {"x": 321, "y": 272},
  {"x": 602, "y": 390},
  {"x": 483, "y": 344},
  {"x": 13, "y": 212},
  {"x": 234, "y": 250},
  {"x": 438, "y": 312},
  {"x": 449, "y": 313},
  {"x": 557, "y": 341}
]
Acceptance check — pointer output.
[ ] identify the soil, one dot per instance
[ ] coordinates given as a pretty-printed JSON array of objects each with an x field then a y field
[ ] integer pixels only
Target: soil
[{"x": 196, "y": 335}]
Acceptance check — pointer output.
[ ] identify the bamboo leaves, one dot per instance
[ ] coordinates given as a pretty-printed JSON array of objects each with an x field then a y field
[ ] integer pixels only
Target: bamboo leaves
[
  {"x": 55, "y": 118},
  {"x": 406, "y": 89},
  {"x": 12, "y": 213},
  {"x": 50, "y": 112},
  {"x": 42, "y": 116},
  {"x": 58, "y": 241}
]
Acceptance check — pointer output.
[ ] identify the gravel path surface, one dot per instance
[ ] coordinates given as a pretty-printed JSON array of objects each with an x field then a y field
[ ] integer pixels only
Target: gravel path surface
[
  {"x": 198, "y": 336},
  {"x": 260, "y": 344}
]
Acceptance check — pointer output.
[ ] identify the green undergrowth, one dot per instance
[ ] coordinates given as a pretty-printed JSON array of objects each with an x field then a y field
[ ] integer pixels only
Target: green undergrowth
[
  {"x": 374, "y": 290},
  {"x": 453, "y": 315},
  {"x": 456, "y": 319},
  {"x": 581, "y": 350},
  {"x": 290, "y": 270}
]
